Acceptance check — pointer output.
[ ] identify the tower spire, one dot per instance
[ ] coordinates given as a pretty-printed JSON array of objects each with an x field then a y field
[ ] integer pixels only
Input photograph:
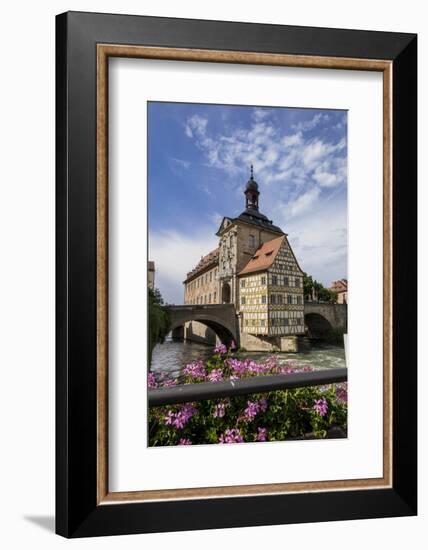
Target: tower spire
[{"x": 252, "y": 192}]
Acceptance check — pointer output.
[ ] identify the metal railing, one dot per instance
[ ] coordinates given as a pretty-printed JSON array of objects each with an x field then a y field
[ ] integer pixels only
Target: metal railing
[{"x": 258, "y": 384}]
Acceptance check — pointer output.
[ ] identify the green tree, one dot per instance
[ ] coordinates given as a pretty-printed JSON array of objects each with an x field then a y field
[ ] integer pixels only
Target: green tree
[
  {"x": 159, "y": 320},
  {"x": 327, "y": 295},
  {"x": 311, "y": 286},
  {"x": 308, "y": 285}
]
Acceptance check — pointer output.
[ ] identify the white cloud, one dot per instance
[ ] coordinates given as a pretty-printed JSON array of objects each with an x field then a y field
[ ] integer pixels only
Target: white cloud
[
  {"x": 292, "y": 140},
  {"x": 277, "y": 155},
  {"x": 216, "y": 218},
  {"x": 320, "y": 241},
  {"x": 304, "y": 202},
  {"x": 331, "y": 173},
  {"x": 181, "y": 163},
  {"x": 311, "y": 124},
  {"x": 260, "y": 114},
  {"x": 195, "y": 126},
  {"x": 175, "y": 255}
]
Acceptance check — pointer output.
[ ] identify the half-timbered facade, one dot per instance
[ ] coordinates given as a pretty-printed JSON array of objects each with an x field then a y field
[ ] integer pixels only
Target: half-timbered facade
[{"x": 271, "y": 291}]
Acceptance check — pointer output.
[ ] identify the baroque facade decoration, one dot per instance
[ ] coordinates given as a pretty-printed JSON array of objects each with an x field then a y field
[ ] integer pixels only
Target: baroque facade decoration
[{"x": 254, "y": 268}]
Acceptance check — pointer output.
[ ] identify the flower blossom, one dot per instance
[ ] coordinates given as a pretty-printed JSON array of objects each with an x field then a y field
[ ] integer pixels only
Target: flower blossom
[
  {"x": 342, "y": 393},
  {"x": 321, "y": 406},
  {"x": 233, "y": 344},
  {"x": 151, "y": 380},
  {"x": 169, "y": 383},
  {"x": 180, "y": 418},
  {"x": 263, "y": 404},
  {"x": 238, "y": 367},
  {"x": 252, "y": 409},
  {"x": 216, "y": 375},
  {"x": 195, "y": 369},
  {"x": 219, "y": 410},
  {"x": 185, "y": 441},
  {"x": 221, "y": 349},
  {"x": 231, "y": 436},
  {"x": 261, "y": 434}
]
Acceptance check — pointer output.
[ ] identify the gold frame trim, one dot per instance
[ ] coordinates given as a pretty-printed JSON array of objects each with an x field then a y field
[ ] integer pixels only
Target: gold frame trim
[{"x": 104, "y": 51}]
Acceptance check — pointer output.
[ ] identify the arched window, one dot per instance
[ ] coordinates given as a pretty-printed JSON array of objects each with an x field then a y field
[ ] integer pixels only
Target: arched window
[{"x": 251, "y": 241}]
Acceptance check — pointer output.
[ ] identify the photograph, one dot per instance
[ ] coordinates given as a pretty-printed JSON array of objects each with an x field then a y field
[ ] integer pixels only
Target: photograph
[
  {"x": 247, "y": 272},
  {"x": 213, "y": 275}
]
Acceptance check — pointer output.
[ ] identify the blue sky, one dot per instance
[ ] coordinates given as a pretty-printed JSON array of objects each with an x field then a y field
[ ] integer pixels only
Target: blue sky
[{"x": 199, "y": 158}]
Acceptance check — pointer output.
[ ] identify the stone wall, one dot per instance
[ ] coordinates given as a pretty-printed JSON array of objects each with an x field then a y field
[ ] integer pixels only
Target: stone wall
[
  {"x": 285, "y": 344},
  {"x": 198, "y": 332}
]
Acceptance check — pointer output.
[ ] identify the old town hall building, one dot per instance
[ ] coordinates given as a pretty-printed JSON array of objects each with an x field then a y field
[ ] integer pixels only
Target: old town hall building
[{"x": 254, "y": 268}]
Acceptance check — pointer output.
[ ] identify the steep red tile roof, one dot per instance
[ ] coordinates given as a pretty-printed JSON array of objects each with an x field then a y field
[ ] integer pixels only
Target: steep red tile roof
[{"x": 264, "y": 256}]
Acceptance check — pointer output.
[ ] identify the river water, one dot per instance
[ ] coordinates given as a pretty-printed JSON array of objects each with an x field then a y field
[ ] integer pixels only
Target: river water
[{"x": 172, "y": 356}]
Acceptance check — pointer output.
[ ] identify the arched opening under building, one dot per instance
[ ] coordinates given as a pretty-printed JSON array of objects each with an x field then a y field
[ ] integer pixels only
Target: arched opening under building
[
  {"x": 225, "y": 293},
  {"x": 318, "y": 327},
  {"x": 211, "y": 331}
]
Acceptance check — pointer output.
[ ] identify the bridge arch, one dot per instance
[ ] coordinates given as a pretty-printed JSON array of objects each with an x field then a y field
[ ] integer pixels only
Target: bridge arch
[
  {"x": 219, "y": 318},
  {"x": 321, "y": 317},
  {"x": 317, "y": 325}
]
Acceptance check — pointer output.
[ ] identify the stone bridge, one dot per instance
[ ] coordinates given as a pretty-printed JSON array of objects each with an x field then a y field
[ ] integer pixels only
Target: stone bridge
[
  {"x": 320, "y": 319},
  {"x": 221, "y": 318}
]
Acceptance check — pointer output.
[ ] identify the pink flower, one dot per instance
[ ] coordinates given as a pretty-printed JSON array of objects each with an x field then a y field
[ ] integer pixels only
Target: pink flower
[
  {"x": 263, "y": 404},
  {"x": 286, "y": 369},
  {"x": 261, "y": 434},
  {"x": 233, "y": 344},
  {"x": 231, "y": 436},
  {"x": 195, "y": 369},
  {"x": 238, "y": 367},
  {"x": 184, "y": 441},
  {"x": 221, "y": 349},
  {"x": 321, "y": 406},
  {"x": 169, "y": 418},
  {"x": 151, "y": 380},
  {"x": 169, "y": 383},
  {"x": 219, "y": 410},
  {"x": 252, "y": 409},
  {"x": 216, "y": 375},
  {"x": 180, "y": 418},
  {"x": 342, "y": 393}
]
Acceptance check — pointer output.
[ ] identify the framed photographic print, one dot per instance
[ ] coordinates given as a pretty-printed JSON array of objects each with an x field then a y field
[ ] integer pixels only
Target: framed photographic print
[{"x": 236, "y": 274}]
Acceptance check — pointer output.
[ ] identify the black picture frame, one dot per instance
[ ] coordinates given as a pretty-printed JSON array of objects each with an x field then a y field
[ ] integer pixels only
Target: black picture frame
[{"x": 77, "y": 511}]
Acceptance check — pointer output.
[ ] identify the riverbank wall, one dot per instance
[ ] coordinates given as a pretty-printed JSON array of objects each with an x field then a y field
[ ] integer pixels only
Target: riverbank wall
[{"x": 200, "y": 333}]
